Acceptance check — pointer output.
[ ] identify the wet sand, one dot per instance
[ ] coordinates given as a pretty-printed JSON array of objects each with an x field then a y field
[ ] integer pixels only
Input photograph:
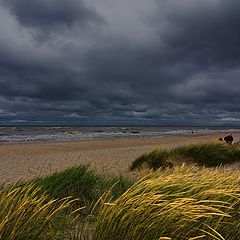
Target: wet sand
[{"x": 29, "y": 160}]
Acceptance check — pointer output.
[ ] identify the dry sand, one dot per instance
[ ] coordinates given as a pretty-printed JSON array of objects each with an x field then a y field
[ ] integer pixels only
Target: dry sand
[{"x": 29, "y": 160}]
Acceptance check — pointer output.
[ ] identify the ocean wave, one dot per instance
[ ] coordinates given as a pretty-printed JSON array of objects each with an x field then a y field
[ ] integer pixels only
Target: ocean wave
[{"x": 31, "y": 134}]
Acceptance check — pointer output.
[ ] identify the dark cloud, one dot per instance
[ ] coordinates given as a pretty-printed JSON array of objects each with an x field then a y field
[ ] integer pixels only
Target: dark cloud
[
  {"x": 48, "y": 14},
  {"x": 156, "y": 62},
  {"x": 206, "y": 33}
]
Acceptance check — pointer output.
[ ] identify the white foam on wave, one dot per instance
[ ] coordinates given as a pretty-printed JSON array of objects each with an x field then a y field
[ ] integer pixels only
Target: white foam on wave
[{"x": 54, "y": 133}]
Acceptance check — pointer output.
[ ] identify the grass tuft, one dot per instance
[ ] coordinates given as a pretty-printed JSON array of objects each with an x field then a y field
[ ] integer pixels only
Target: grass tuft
[
  {"x": 26, "y": 213},
  {"x": 180, "y": 203},
  {"x": 77, "y": 182},
  {"x": 83, "y": 184},
  {"x": 208, "y": 154},
  {"x": 154, "y": 160}
]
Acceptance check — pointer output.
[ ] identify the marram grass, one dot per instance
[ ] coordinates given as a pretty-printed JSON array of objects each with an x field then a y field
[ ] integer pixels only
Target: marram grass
[
  {"x": 25, "y": 214},
  {"x": 155, "y": 159},
  {"x": 174, "y": 204},
  {"x": 180, "y": 203},
  {"x": 82, "y": 183},
  {"x": 207, "y": 154}
]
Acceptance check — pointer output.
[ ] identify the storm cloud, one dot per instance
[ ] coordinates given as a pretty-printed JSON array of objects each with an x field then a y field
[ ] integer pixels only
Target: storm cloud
[
  {"x": 125, "y": 62},
  {"x": 48, "y": 14}
]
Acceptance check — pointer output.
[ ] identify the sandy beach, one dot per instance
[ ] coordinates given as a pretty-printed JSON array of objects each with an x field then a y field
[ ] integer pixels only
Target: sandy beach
[{"x": 29, "y": 160}]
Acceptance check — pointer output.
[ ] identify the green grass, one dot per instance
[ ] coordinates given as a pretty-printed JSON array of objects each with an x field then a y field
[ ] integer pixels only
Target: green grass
[
  {"x": 209, "y": 154},
  {"x": 180, "y": 203},
  {"x": 87, "y": 186},
  {"x": 154, "y": 160},
  {"x": 78, "y": 182},
  {"x": 83, "y": 184}
]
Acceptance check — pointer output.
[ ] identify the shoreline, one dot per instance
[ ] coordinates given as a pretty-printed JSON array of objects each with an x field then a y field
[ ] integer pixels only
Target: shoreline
[{"x": 24, "y": 161}]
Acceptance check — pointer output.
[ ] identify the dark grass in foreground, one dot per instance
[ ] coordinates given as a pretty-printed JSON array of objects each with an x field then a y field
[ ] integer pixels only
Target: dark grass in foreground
[{"x": 209, "y": 154}]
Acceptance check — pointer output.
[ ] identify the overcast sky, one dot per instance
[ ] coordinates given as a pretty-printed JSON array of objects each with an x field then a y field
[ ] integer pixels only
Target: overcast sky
[{"x": 120, "y": 61}]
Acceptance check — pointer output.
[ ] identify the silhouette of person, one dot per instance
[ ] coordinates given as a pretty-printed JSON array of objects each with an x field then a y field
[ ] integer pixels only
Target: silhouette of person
[{"x": 228, "y": 139}]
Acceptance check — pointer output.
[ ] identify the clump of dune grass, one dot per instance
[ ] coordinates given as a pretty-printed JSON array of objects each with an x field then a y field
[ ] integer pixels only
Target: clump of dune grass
[
  {"x": 25, "y": 213},
  {"x": 208, "y": 154},
  {"x": 86, "y": 187},
  {"x": 180, "y": 203},
  {"x": 78, "y": 182},
  {"x": 154, "y": 160},
  {"x": 82, "y": 183}
]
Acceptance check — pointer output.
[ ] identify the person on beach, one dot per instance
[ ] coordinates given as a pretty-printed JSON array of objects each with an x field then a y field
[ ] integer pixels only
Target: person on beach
[{"x": 228, "y": 139}]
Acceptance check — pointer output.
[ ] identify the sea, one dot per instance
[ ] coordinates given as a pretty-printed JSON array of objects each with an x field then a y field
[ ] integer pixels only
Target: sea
[{"x": 18, "y": 134}]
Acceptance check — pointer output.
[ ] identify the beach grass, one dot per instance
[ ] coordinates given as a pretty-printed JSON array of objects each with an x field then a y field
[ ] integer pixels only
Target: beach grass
[
  {"x": 155, "y": 159},
  {"x": 174, "y": 202},
  {"x": 26, "y": 213},
  {"x": 84, "y": 184},
  {"x": 180, "y": 203},
  {"x": 207, "y": 154}
]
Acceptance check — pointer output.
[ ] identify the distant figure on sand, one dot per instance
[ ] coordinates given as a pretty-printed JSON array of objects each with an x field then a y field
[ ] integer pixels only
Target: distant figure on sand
[{"x": 228, "y": 139}]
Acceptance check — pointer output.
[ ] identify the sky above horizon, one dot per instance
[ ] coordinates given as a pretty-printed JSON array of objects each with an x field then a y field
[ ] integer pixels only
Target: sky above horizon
[{"x": 156, "y": 62}]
